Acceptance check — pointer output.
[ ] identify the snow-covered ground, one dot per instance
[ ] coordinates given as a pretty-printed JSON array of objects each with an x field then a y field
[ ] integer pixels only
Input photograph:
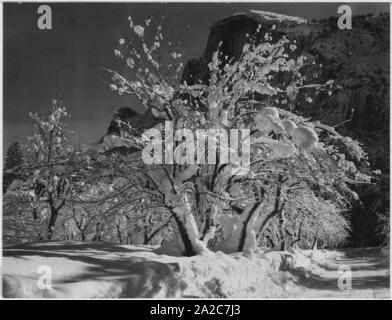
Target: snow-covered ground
[
  {"x": 369, "y": 272},
  {"x": 91, "y": 270}
]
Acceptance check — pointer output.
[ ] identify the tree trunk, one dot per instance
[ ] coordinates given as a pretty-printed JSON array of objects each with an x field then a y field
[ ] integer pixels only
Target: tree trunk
[
  {"x": 145, "y": 235},
  {"x": 54, "y": 212},
  {"x": 282, "y": 234},
  {"x": 283, "y": 245},
  {"x": 97, "y": 236},
  {"x": 265, "y": 222},
  {"x": 252, "y": 211},
  {"x": 276, "y": 208},
  {"x": 119, "y": 235},
  {"x": 315, "y": 243},
  {"x": 189, "y": 251},
  {"x": 52, "y": 220},
  {"x": 298, "y": 234},
  {"x": 208, "y": 224}
]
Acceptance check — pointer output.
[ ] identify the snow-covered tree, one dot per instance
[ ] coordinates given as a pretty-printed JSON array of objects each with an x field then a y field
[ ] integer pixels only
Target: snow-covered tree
[
  {"x": 23, "y": 219},
  {"x": 288, "y": 155},
  {"x": 13, "y": 159},
  {"x": 49, "y": 174}
]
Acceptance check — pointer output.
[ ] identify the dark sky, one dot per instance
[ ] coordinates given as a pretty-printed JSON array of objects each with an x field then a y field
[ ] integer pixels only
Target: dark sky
[{"x": 39, "y": 64}]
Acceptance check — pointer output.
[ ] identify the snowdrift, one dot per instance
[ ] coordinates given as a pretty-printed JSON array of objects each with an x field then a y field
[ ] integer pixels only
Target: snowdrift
[{"x": 90, "y": 270}]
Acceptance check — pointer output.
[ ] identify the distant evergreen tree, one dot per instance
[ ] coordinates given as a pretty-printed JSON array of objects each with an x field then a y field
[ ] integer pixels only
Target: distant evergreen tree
[{"x": 13, "y": 159}]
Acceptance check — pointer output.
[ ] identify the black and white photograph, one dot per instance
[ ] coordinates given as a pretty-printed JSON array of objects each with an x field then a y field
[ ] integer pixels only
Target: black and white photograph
[{"x": 195, "y": 151}]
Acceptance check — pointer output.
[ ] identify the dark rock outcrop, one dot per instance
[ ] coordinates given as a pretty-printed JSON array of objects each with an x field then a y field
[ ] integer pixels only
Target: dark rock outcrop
[
  {"x": 129, "y": 117},
  {"x": 124, "y": 121}
]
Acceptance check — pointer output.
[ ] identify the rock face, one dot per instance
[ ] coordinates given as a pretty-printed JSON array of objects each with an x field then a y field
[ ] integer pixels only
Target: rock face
[
  {"x": 129, "y": 116},
  {"x": 232, "y": 33},
  {"x": 357, "y": 59},
  {"x": 124, "y": 120}
]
